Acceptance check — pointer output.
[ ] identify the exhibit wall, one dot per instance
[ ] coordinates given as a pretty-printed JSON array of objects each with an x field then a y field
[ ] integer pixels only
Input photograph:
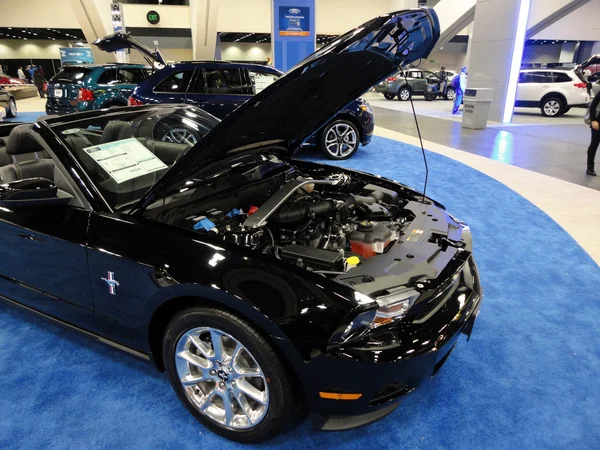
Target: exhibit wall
[
  {"x": 236, "y": 51},
  {"x": 18, "y": 49}
]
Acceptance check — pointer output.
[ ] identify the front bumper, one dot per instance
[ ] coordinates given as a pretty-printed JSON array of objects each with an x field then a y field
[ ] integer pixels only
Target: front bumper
[{"x": 393, "y": 362}]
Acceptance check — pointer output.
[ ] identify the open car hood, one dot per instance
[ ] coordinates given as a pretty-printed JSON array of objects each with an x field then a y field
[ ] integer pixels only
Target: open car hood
[
  {"x": 120, "y": 41},
  {"x": 292, "y": 109}
]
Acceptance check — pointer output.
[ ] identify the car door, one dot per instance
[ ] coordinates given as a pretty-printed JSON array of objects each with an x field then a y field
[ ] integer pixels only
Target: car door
[
  {"x": 418, "y": 84},
  {"x": 43, "y": 261},
  {"x": 219, "y": 90},
  {"x": 128, "y": 78},
  {"x": 532, "y": 86},
  {"x": 172, "y": 88}
]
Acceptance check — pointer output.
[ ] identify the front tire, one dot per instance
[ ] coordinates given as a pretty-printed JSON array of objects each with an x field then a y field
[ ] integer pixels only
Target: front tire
[
  {"x": 11, "y": 112},
  {"x": 552, "y": 107},
  {"x": 389, "y": 96},
  {"x": 228, "y": 376},
  {"x": 404, "y": 94},
  {"x": 340, "y": 139}
]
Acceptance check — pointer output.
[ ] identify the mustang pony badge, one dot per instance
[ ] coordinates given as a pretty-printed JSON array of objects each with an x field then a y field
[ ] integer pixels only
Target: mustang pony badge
[{"x": 112, "y": 283}]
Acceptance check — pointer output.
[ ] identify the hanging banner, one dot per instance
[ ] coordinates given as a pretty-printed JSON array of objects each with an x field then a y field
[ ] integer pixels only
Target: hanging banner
[
  {"x": 76, "y": 55},
  {"x": 294, "y": 32}
]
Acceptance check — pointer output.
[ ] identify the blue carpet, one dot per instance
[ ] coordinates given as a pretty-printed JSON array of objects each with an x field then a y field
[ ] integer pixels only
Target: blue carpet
[
  {"x": 527, "y": 379},
  {"x": 26, "y": 116}
]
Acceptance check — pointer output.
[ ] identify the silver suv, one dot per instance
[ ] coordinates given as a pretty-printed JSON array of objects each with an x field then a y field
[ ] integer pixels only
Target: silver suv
[{"x": 415, "y": 84}]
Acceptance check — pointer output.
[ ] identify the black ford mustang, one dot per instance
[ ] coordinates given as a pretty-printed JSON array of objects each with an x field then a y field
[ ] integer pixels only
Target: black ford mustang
[{"x": 259, "y": 283}]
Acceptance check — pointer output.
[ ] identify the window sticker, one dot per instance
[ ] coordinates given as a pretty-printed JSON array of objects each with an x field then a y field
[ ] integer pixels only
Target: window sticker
[{"x": 125, "y": 159}]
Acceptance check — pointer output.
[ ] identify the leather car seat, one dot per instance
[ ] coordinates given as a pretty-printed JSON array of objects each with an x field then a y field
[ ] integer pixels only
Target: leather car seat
[
  {"x": 22, "y": 141},
  {"x": 5, "y": 158},
  {"x": 116, "y": 130}
]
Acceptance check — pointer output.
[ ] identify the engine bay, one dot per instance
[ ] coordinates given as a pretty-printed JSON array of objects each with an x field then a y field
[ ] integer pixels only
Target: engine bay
[{"x": 326, "y": 224}]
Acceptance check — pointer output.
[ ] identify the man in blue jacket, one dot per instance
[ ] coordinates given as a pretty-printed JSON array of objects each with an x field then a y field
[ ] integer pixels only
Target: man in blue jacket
[{"x": 459, "y": 88}]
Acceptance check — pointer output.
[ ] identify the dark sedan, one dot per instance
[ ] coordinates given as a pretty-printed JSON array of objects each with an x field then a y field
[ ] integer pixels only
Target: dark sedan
[
  {"x": 220, "y": 87},
  {"x": 260, "y": 284}
]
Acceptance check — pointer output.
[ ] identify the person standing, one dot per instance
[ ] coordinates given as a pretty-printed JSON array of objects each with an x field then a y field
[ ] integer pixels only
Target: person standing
[
  {"x": 459, "y": 87},
  {"x": 595, "y": 127},
  {"x": 38, "y": 80},
  {"x": 21, "y": 74},
  {"x": 443, "y": 80},
  {"x": 31, "y": 70}
]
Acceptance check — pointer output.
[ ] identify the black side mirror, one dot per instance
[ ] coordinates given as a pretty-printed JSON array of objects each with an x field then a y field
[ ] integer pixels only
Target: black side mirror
[{"x": 32, "y": 192}]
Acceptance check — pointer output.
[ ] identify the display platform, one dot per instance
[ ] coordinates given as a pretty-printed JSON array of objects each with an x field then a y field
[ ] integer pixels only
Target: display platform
[{"x": 527, "y": 379}]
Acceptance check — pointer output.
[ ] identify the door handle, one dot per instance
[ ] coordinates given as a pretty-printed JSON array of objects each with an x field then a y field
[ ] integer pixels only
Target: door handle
[{"x": 29, "y": 237}]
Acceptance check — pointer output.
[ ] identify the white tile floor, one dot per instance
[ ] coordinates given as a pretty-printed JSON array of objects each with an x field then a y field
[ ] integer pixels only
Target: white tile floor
[{"x": 442, "y": 109}]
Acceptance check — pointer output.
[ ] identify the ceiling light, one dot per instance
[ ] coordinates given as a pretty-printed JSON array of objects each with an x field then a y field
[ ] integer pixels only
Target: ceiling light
[{"x": 9, "y": 28}]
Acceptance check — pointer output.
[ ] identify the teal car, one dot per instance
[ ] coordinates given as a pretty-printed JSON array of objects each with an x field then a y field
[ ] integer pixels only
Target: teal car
[{"x": 88, "y": 87}]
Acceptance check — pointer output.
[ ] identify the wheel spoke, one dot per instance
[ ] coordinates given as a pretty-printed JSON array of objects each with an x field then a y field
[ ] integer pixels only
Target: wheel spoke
[
  {"x": 235, "y": 354},
  {"x": 245, "y": 406},
  {"x": 201, "y": 346},
  {"x": 190, "y": 380},
  {"x": 248, "y": 372},
  {"x": 194, "y": 360},
  {"x": 252, "y": 392},
  {"x": 217, "y": 344},
  {"x": 206, "y": 400},
  {"x": 228, "y": 406}
]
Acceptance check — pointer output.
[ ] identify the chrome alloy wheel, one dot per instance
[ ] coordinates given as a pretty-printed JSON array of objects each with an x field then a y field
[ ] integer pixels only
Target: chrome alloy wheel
[
  {"x": 221, "y": 378},
  {"x": 551, "y": 108},
  {"x": 404, "y": 94},
  {"x": 179, "y": 136},
  {"x": 341, "y": 140}
]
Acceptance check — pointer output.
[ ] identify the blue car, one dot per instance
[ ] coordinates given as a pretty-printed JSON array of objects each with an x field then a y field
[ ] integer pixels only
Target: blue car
[
  {"x": 219, "y": 87},
  {"x": 92, "y": 86}
]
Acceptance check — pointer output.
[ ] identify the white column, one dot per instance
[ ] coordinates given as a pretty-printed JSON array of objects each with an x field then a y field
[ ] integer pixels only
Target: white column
[
  {"x": 497, "y": 50},
  {"x": 567, "y": 52},
  {"x": 95, "y": 20},
  {"x": 203, "y": 20},
  {"x": 398, "y": 5}
]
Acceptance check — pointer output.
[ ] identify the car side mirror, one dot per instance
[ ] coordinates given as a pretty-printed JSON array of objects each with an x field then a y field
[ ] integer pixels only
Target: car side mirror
[{"x": 32, "y": 192}]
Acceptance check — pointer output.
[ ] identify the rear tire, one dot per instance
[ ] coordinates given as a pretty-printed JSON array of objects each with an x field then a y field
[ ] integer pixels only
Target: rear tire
[
  {"x": 389, "y": 96},
  {"x": 11, "y": 112},
  {"x": 404, "y": 94},
  {"x": 552, "y": 107},
  {"x": 239, "y": 378},
  {"x": 450, "y": 94},
  {"x": 566, "y": 109}
]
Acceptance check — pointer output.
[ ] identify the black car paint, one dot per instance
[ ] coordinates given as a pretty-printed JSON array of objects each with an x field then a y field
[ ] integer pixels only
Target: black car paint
[{"x": 161, "y": 268}]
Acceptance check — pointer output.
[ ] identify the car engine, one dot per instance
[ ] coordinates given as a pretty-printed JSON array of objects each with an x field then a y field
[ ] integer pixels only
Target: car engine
[{"x": 325, "y": 225}]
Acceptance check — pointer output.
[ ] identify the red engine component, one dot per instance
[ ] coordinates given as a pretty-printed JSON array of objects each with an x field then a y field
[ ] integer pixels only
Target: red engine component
[
  {"x": 252, "y": 210},
  {"x": 370, "y": 239}
]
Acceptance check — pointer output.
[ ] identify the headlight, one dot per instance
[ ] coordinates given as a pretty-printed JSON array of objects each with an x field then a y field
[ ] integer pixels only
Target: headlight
[
  {"x": 365, "y": 107},
  {"x": 391, "y": 307}
]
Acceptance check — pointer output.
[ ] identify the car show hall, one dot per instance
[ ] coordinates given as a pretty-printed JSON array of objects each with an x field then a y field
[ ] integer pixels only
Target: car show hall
[{"x": 299, "y": 224}]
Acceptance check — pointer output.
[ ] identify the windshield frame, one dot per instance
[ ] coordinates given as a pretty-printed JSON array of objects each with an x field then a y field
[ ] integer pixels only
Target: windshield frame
[{"x": 133, "y": 115}]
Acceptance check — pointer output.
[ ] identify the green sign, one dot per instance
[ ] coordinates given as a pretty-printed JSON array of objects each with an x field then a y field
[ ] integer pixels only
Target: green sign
[{"x": 153, "y": 17}]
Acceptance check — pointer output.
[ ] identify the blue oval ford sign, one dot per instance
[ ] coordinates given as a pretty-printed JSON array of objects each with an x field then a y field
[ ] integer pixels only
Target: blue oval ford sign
[{"x": 294, "y": 11}]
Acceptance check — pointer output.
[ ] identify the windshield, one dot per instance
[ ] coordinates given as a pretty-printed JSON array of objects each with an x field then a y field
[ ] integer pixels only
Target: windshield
[
  {"x": 71, "y": 75},
  {"x": 126, "y": 152}
]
